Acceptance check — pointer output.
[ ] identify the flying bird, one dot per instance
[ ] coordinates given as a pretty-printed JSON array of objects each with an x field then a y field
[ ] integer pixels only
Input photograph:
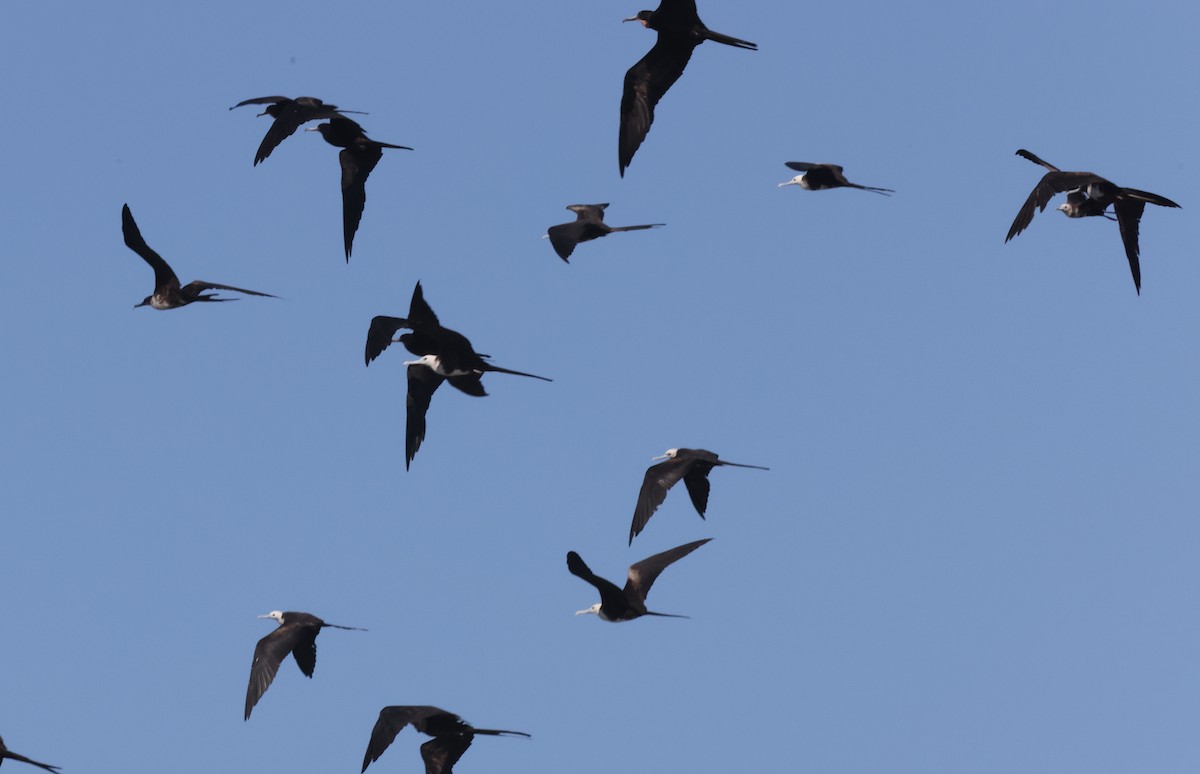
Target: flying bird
[
  {"x": 626, "y": 604},
  {"x": 296, "y": 634},
  {"x": 167, "y": 292},
  {"x": 819, "y": 177},
  {"x": 7, "y": 753},
  {"x": 289, "y": 114},
  {"x": 588, "y": 224},
  {"x": 358, "y": 157},
  {"x": 1089, "y": 195},
  {"x": 693, "y": 466},
  {"x": 451, "y": 735},
  {"x": 442, "y": 355},
  {"x": 679, "y": 32}
]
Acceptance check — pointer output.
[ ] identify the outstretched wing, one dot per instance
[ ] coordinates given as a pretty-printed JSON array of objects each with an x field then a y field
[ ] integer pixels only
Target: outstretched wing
[
  {"x": 643, "y": 574},
  {"x": 163, "y": 275},
  {"x": 659, "y": 478},
  {"x": 1051, "y": 184},
  {"x": 357, "y": 163},
  {"x": 1129, "y": 216},
  {"x": 423, "y": 382},
  {"x": 645, "y": 84},
  {"x": 610, "y": 595},
  {"x": 379, "y": 335},
  {"x": 268, "y": 654},
  {"x": 391, "y": 722}
]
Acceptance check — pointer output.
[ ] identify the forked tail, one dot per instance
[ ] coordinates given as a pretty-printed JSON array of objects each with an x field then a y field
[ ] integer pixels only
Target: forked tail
[
  {"x": 637, "y": 228},
  {"x": 491, "y": 367},
  {"x": 729, "y": 41}
]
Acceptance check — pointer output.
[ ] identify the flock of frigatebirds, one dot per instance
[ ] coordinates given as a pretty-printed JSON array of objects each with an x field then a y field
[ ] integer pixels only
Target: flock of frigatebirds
[{"x": 443, "y": 354}]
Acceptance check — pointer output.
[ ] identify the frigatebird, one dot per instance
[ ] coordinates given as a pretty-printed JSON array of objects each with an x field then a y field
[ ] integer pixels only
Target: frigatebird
[
  {"x": 167, "y": 292},
  {"x": 1089, "y": 195},
  {"x": 679, "y": 32},
  {"x": 626, "y": 604},
  {"x": 443, "y": 355},
  {"x": 588, "y": 224},
  {"x": 358, "y": 157},
  {"x": 819, "y": 177},
  {"x": 296, "y": 634},
  {"x": 289, "y": 114},
  {"x": 7, "y": 753},
  {"x": 693, "y": 466},
  {"x": 451, "y": 735}
]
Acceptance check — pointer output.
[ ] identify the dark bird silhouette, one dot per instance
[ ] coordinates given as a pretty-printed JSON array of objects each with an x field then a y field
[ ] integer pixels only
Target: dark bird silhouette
[
  {"x": 7, "y": 753},
  {"x": 819, "y": 177},
  {"x": 588, "y": 224},
  {"x": 167, "y": 292},
  {"x": 358, "y": 157},
  {"x": 1089, "y": 195},
  {"x": 693, "y": 466},
  {"x": 451, "y": 736},
  {"x": 443, "y": 355},
  {"x": 289, "y": 114},
  {"x": 626, "y": 604},
  {"x": 679, "y": 32},
  {"x": 296, "y": 634}
]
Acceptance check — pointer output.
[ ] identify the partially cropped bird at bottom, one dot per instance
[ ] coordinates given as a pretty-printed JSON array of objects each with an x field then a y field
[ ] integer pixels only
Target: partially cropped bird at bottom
[
  {"x": 167, "y": 292},
  {"x": 451, "y": 736},
  {"x": 617, "y": 604},
  {"x": 1089, "y": 195},
  {"x": 358, "y": 157},
  {"x": 691, "y": 465},
  {"x": 820, "y": 177},
  {"x": 679, "y": 32},
  {"x": 296, "y": 634},
  {"x": 588, "y": 224},
  {"x": 7, "y": 753},
  {"x": 289, "y": 114}
]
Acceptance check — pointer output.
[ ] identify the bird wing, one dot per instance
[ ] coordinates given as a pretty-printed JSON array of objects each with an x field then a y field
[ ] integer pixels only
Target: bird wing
[
  {"x": 6, "y": 753},
  {"x": 284, "y": 126},
  {"x": 199, "y": 286},
  {"x": 565, "y": 237},
  {"x": 643, "y": 574},
  {"x": 357, "y": 164},
  {"x": 420, "y": 313},
  {"x": 380, "y": 334},
  {"x": 441, "y": 753},
  {"x": 163, "y": 275},
  {"x": 696, "y": 481},
  {"x": 610, "y": 595},
  {"x": 659, "y": 478},
  {"x": 1052, "y": 183},
  {"x": 645, "y": 84},
  {"x": 391, "y": 722},
  {"x": 805, "y": 166},
  {"x": 261, "y": 101},
  {"x": 471, "y": 384},
  {"x": 676, "y": 13},
  {"x": 1028, "y": 155},
  {"x": 1129, "y": 216},
  {"x": 423, "y": 382},
  {"x": 268, "y": 654}
]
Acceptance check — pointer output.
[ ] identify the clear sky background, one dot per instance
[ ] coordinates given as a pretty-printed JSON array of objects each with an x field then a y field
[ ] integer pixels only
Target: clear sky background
[{"x": 976, "y": 548}]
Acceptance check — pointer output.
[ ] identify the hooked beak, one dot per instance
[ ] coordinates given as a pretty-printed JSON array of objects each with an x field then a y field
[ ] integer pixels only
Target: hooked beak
[
  {"x": 545, "y": 236},
  {"x": 589, "y": 611},
  {"x": 661, "y": 457},
  {"x": 260, "y": 115},
  {"x": 793, "y": 181},
  {"x": 312, "y": 129}
]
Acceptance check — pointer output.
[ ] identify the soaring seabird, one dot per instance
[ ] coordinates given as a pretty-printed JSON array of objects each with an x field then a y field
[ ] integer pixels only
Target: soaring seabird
[
  {"x": 289, "y": 114},
  {"x": 588, "y": 224},
  {"x": 818, "y": 177},
  {"x": 451, "y": 736},
  {"x": 626, "y": 604},
  {"x": 296, "y": 634},
  {"x": 7, "y": 753},
  {"x": 693, "y": 466},
  {"x": 167, "y": 292},
  {"x": 1089, "y": 195},
  {"x": 358, "y": 157},
  {"x": 443, "y": 355},
  {"x": 679, "y": 32}
]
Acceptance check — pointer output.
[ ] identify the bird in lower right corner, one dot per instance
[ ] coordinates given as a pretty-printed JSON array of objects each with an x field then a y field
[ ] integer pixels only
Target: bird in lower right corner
[{"x": 588, "y": 225}]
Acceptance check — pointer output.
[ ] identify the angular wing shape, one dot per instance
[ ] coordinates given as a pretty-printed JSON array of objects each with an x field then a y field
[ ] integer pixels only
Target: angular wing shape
[
  {"x": 659, "y": 478},
  {"x": 1129, "y": 216},
  {"x": 357, "y": 164},
  {"x": 610, "y": 595},
  {"x": 199, "y": 286},
  {"x": 442, "y": 753},
  {"x": 1051, "y": 184},
  {"x": 423, "y": 382},
  {"x": 379, "y": 335},
  {"x": 564, "y": 238},
  {"x": 645, "y": 84},
  {"x": 268, "y": 654},
  {"x": 163, "y": 275},
  {"x": 643, "y": 574},
  {"x": 391, "y": 722}
]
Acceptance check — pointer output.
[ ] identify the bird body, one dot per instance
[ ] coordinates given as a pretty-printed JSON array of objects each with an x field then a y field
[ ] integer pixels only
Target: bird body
[
  {"x": 10, "y": 755},
  {"x": 167, "y": 292},
  {"x": 691, "y": 465},
  {"x": 625, "y": 604},
  {"x": 296, "y": 634},
  {"x": 821, "y": 177},
  {"x": 289, "y": 114},
  {"x": 451, "y": 735},
  {"x": 588, "y": 225},
  {"x": 679, "y": 32}
]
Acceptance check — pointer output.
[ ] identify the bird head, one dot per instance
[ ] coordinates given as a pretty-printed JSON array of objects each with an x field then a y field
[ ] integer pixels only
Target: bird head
[
  {"x": 669, "y": 454},
  {"x": 593, "y": 610},
  {"x": 275, "y": 615},
  {"x": 642, "y": 16},
  {"x": 145, "y": 302},
  {"x": 429, "y": 361},
  {"x": 797, "y": 180}
]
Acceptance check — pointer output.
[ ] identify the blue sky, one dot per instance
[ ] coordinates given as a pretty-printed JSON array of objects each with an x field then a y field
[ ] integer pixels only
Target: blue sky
[{"x": 975, "y": 548}]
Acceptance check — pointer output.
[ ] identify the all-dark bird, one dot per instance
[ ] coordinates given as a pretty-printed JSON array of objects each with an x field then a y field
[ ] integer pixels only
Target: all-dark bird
[
  {"x": 451, "y": 736},
  {"x": 296, "y": 634},
  {"x": 289, "y": 114},
  {"x": 167, "y": 292},
  {"x": 679, "y": 32},
  {"x": 588, "y": 224},
  {"x": 358, "y": 157},
  {"x": 1089, "y": 195},
  {"x": 443, "y": 355},
  {"x": 625, "y": 604},
  {"x": 693, "y": 466},
  {"x": 819, "y": 177},
  {"x": 9, "y": 754}
]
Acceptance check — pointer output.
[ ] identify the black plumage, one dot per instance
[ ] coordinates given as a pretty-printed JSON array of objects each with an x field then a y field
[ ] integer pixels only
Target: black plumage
[
  {"x": 296, "y": 634},
  {"x": 289, "y": 115},
  {"x": 691, "y": 465},
  {"x": 625, "y": 604},
  {"x": 10, "y": 755},
  {"x": 451, "y": 735},
  {"x": 821, "y": 177},
  {"x": 588, "y": 224}
]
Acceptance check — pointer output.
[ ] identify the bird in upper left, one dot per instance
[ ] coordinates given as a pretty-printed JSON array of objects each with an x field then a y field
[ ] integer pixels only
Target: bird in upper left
[
  {"x": 7, "y": 753},
  {"x": 167, "y": 292}
]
